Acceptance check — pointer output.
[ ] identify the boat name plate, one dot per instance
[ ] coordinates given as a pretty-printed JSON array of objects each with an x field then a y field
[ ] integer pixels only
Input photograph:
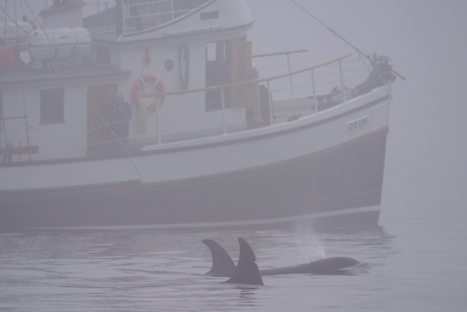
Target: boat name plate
[{"x": 358, "y": 124}]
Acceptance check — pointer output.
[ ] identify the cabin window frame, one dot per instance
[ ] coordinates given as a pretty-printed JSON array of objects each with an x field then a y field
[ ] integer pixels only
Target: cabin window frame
[
  {"x": 52, "y": 106},
  {"x": 217, "y": 54},
  {"x": 139, "y": 15},
  {"x": 2, "y": 122}
]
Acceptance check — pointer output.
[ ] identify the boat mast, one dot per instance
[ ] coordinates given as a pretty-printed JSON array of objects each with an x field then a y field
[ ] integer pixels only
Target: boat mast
[{"x": 119, "y": 22}]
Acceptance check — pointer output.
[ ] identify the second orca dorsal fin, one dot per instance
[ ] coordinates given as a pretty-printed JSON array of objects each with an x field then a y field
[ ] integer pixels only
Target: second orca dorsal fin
[
  {"x": 222, "y": 263},
  {"x": 246, "y": 271}
]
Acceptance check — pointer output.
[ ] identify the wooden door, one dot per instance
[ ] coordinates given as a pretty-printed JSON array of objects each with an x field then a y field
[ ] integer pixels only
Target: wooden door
[
  {"x": 98, "y": 97},
  {"x": 241, "y": 71}
]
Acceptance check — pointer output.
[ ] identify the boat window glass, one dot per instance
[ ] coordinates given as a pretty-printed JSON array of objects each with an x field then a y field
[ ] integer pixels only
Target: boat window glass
[
  {"x": 218, "y": 72},
  {"x": 209, "y": 15},
  {"x": 103, "y": 55},
  {"x": 211, "y": 52},
  {"x": 52, "y": 106},
  {"x": 143, "y": 14}
]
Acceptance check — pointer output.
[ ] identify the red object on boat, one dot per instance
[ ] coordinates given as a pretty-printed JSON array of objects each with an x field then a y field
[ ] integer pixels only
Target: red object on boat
[{"x": 7, "y": 58}]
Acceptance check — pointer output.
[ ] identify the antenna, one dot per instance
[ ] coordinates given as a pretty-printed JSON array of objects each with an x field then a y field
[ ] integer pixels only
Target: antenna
[{"x": 335, "y": 33}]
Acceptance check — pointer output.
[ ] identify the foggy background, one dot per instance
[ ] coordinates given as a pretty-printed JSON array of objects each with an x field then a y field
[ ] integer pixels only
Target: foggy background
[{"x": 426, "y": 169}]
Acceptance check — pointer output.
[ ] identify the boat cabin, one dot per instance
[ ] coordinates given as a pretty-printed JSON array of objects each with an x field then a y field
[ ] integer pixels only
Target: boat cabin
[
  {"x": 56, "y": 94},
  {"x": 142, "y": 73}
]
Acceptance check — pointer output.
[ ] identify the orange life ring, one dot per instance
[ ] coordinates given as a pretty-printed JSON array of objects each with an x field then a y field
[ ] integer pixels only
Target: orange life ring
[{"x": 148, "y": 84}]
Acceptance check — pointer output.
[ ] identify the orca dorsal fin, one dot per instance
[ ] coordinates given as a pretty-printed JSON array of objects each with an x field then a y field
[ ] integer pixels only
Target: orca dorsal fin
[
  {"x": 222, "y": 263},
  {"x": 246, "y": 271}
]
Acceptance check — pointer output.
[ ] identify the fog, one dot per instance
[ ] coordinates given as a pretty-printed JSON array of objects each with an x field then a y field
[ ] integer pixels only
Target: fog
[
  {"x": 427, "y": 42},
  {"x": 416, "y": 255}
]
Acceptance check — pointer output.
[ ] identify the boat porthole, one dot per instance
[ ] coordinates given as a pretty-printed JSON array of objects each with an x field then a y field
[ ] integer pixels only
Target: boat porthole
[{"x": 169, "y": 65}]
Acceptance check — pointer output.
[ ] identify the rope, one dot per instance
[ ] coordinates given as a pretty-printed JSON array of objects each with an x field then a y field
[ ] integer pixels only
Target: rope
[
  {"x": 335, "y": 33},
  {"x": 12, "y": 19},
  {"x": 39, "y": 22}
]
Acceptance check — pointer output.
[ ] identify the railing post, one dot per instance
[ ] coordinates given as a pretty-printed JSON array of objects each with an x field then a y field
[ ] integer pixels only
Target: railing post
[
  {"x": 289, "y": 67},
  {"x": 158, "y": 126},
  {"x": 341, "y": 73},
  {"x": 224, "y": 131},
  {"x": 270, "y": 103},
  {"x": 3, "y": 130},
  {"x": 124, "y": 15},
  {"x": 313, "y": 85},
  {"x": 172, "y": 8}
]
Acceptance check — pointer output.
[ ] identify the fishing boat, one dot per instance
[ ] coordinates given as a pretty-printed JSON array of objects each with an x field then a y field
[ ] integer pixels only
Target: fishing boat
[{"x": 156, "y": 113}]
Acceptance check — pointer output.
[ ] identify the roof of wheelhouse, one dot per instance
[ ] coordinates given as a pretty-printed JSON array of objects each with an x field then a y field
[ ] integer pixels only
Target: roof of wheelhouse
[
  {"x": 62, "y": 6},
  {"x": 149, "y": 20}
]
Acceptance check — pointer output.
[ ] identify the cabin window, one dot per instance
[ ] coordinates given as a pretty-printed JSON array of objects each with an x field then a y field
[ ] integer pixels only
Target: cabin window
[
  {"x": 217, "y": 73},
  {"x": 209, "y": 15},
  {"x": 169, "y": 65},
  {"x": 143, "y": 14},
  {"x": 187, "y": 5},
  {"x": 52, "y": 106},
  {"x": 103, "y": 55}
]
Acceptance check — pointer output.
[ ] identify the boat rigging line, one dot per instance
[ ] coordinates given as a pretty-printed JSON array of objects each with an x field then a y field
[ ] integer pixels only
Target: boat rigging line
[
  {"x": 335, "y": 33},
  {"x": 37, "y": 20},
  {"x": 12, "y": 19}
]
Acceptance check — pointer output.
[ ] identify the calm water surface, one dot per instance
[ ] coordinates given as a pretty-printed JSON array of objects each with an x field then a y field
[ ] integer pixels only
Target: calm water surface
[{"x": 420, "y": 265}]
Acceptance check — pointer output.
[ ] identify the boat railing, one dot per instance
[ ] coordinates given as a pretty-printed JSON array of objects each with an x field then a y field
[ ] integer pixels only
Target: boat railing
[
  {"x": 299, "y": 84},
  {"x": 276, "y": 98},
  {"x": 287, "y": 55},
  {"x": 310, "y": 69},
  {"x": 272, "y": 96},
  {"x": 266, "y": 101},
  {"x": 23, "y": 147}
]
